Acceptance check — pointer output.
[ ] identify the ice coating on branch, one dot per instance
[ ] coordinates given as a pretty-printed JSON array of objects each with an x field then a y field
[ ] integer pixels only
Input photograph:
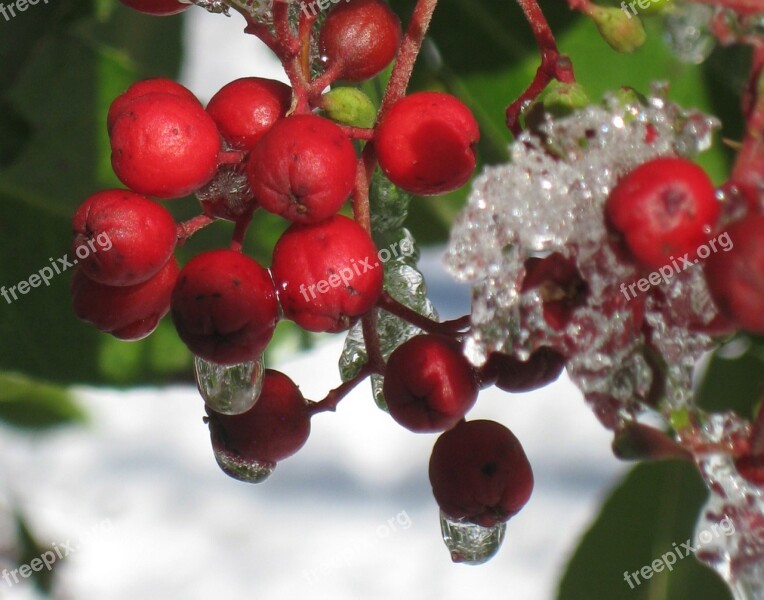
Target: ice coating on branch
[{"x": 550, "y": 198}]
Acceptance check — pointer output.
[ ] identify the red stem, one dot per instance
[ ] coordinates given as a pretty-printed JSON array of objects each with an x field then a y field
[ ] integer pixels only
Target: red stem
[
  {"x": 333, "y": 398},
  {"x": 553, "y": 64},
  {"x": 453, "y": 328},
  {"x": 188, "y": 228},
  {"x": 358, "y": 133},
  {"x": 240, "y": 232}
]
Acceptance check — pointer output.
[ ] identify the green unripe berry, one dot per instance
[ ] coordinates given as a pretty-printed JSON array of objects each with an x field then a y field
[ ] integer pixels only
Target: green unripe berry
[
  {"x": 623, "y": 32},
  {"x": 349, "y": 106}
]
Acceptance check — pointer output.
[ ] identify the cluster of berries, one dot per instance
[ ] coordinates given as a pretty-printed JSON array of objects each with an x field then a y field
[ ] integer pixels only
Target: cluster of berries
[{"x": 303, "y": 167}]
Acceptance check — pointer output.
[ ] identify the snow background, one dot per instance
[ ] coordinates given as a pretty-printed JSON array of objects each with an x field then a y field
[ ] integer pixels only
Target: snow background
[{"x": 351, "y": 516}]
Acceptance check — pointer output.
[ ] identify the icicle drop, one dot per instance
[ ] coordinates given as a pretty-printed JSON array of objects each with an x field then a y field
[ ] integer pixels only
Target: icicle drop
[
  {"x": 469, "y": 543},
  {"x": 687, "y": 33},
  {"x": 229, "y": 390},
  {"x": 248, "y": 471}
]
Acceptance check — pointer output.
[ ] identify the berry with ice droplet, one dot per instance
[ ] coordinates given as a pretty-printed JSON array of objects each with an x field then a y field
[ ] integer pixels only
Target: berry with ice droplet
[
  {"x": 156, "y": 85},
  {"x": 560, "y": 284},
  {"x": 735, "y": 275},
  {"x": 248, "y": 107},
  {"x": 664, "y": 209},
  {"x": 513, "y": 375},
  {"x": 360, "y": 38},
  {"x": 479, "y": 472},
  {"x": 327, "y": 274},
  {"x": 164, "y": 145},
  {"x": 275, "y": 428},
  {"x": 158, "y": 8},
  {"x": 126, "y": 238},
  {"x": 429, "y": 385},
  {"x": 426, "y": 143},
  {"x": 224, "y": 307},
  {"x": 126, "y": 312},
  {"x": 302, "y": 169}
]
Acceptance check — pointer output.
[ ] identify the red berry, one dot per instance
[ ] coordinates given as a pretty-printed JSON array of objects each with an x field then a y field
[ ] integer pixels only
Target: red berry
[
  {"x": 224, "y": 307},
  {"x": 751, "y": 468},
  {"x": 560, "y": 284},
  {"x": 159, "y": 8},
  {"x": 164, "y": 145},
  {"x": 158, "y": 85},
  {"x": 302, "y": 169},
  {"x": 513, "y": 375},
  {"x": 479, "y": 472},
  {"x": 126, "y": 312},
  {"x": 276, "y": 427},
  {"x": 327, "y": 274},
  {"x": 246, "y": 108},
  {"x": 426, "y": 143},
  {"x": 361, "y": 38},
  {"x": 735, "y": 273},
  {"x": 429, "y": 384},
  {"x": 664, "y": 209},
  {"x": 126, "y": 238}
]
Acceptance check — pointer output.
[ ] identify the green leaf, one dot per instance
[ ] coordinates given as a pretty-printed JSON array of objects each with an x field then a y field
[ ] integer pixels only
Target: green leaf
[
  {"x": 65, "y": 67},
  {"x": 653, "y": 509},
  {"x": 29, "y": 404}
]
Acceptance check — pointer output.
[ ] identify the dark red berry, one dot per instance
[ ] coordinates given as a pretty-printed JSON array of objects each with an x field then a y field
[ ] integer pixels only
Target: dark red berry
[
  {"x": 302, "y": 169},
  {"x": 158, "y": 8},
  {"x": 164, "y": 145},
  {"x": 327, "y": 274},
  {"x": 735, "y": 273},
  {"x": 126, "y": 312},
  {"x": 561, "y": 286},
  {"x": 360, "y": 38},
  {"x": 513, "y": 375},
  {"x": 246, "y": 108},
  {"x": 429, "y": 384},
  {"x": 426, "y": 143},
  {"x": 664, "y": 209},
  {"x": 276, "y": 427},
  {"x": 479, "y": 472},
  {"x": 158, "y": 85},
  {"x": 125, "y": 238},
  {"x": 224, "y": 307},
  {"x": 751, "y": 468}
]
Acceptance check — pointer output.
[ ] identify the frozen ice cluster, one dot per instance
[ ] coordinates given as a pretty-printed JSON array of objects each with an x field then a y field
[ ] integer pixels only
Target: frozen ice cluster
[{"x": 550, "y": 199}]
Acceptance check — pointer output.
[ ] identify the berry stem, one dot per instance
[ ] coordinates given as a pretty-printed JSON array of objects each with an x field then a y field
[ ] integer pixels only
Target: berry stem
[
  {"x": 255, "y": 27},
  {"x": 332, "y": 399},
  {"x": 290, "y": 51},
  {"x": 240, "y": 232},
  {"x": 553, "y": 64},
  {"x": 188, "y": 228},
  {"x": 358, "y": 133},
  {"x": 320, "y": 83},
  {"x": 450, "y": 328},
  {"x": 231, "y": 157}
]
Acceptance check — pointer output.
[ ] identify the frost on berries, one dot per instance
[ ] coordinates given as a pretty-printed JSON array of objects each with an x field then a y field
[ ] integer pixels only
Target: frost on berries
[{"x": 550, "y": 198}]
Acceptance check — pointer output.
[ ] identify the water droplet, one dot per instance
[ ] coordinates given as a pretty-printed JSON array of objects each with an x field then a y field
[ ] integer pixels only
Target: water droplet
[
  {"x": 688, "y": 34},
  {"x": 469, "y": 543},
  {"x": 229, "y": 390},
  {"x": 248, "y": 471}
]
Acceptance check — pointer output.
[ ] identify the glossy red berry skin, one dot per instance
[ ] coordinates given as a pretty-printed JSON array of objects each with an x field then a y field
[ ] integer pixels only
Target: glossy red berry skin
[
  {"x": 126, "y": 312},
  {"x": 125, "y": 238},
  {"x": 513, "y": 375},
  {"x": 164, "y": 145},
  {"x": 224, "y": 307},
  {"x": 429, "y": 385},
  {"x": 664, "y": 208},
  {"x": 276, "y": 427},
  {"x": 479, "y": 472},
  {"x": 327, "y": 274},
  {"x": 302, "y": 169},
  {"x": 158, "y": 8},
  {"x": 246, "y": 108},
  {"x": 735, "y": 273},
  {"x": 426, "y": 143},
  {"x": 158, "y": 85},
  {"x": 361, "y": 38}
]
